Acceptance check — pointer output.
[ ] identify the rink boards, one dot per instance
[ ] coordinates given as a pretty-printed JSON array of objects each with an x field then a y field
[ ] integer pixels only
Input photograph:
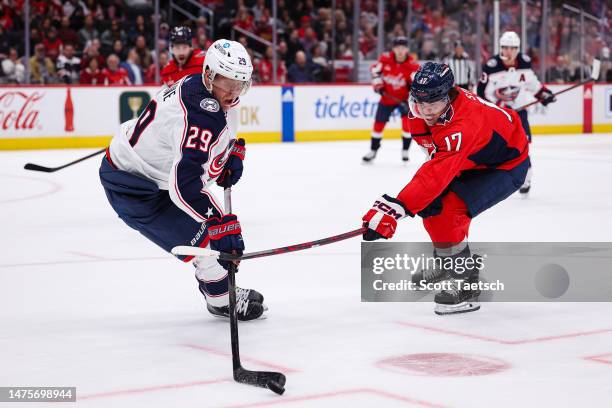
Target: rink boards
[{"x": 87, "y": 116}]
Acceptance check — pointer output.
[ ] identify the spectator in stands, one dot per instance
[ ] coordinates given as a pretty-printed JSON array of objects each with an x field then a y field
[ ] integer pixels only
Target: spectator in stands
[
  {"x": 143, "y": 52},
  {"x": 132, "y": 66},
  {"x": 68, "y": 65},
  {"x": 6, "y": 20},
  {"x": 309, "y": 40},
  {"x": 113, "y": 73},
  {"x": 112, "y": 34},
  {"x": 139, "y": 29},
  {"x": 264, "y": 68},
  {"x": 92, "y": 74},
  {"x": 12, "y": 68},
  {"x": 66, "y": 33},
  {"x": 150, "y": 73},
  {"x": 88, "y": 33},
  {"x": 244, "y": 19},
  {"x": 92, "y": 50},
  {"x": 164, "y": 32},
  {"x": 201, "y": 41},
  {"x": 319, "y": 59},
  {"x": 301, "y": 70},
  {"x": 293, "y": 45},
  {"x": 35, "y": 37},
  {"x": 75, "y": 9},
  {"x": 119, "y": 49},
  {"x": 42, "y": 70},
  {"x": 559, "y": 73},
  {"x": 52, "y": 44}
]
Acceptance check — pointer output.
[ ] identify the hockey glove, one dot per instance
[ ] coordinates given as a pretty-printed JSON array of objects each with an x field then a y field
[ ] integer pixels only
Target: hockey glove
[
  {"x": 378, "y": 85},
  {"x": 381, "y": 219},
  {"x": 225, "y": 236},
  {"x": 545, "y": 96},
  {"x": 232, "y": 171}
]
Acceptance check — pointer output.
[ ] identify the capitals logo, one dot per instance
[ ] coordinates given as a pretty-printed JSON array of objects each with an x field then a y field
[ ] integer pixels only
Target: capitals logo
[{"x": 396, "y": 81}]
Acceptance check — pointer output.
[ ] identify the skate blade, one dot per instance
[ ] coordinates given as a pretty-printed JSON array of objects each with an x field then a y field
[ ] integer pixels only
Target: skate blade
[
  {"x": 463, "y": 307},
  {"x": 262, "y": 317}
]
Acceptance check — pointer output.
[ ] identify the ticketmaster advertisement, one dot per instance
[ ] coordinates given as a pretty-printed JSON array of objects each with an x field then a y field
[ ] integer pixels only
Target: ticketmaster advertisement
[{"x": 502, "y": 272}]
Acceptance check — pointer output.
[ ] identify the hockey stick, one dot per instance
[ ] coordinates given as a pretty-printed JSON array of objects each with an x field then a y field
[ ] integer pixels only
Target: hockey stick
[
  {"x": 196, "y": 251},
  {"x": 265, "y": 379},
  {"x": 36, "y": 167},
  {"x": 594, "y": 77}
]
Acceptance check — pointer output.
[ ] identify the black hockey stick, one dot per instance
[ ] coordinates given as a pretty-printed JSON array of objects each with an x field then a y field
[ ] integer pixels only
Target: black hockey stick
[
  {"x": 196, "y": 251},
  {"x": 36, "y": 167},
  {"x": 595, "y": 69},
  {"x": 264, "y": 379}
]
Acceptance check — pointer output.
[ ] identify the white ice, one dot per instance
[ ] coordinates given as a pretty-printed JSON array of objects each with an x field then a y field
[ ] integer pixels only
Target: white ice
[{"x": 87, "y": 302}]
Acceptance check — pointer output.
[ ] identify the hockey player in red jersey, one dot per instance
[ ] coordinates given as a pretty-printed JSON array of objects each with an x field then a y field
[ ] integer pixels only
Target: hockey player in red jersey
[
  {"x": 184, "y": 60},
  {"x": 479, "y": 156},
  {"x": 391, "y": 77}
]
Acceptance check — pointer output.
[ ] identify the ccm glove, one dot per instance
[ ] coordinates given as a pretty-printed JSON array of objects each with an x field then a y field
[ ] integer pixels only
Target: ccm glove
[
  {"x": 545, "y": 96},
  {"x": 381, "y": 219},
  {"x": 232, "y": 171},
  {"x": 225, "y": 235}
]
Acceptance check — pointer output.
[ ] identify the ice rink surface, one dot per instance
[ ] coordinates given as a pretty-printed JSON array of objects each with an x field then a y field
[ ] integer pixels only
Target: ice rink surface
[{"x": 87, "y": 302}]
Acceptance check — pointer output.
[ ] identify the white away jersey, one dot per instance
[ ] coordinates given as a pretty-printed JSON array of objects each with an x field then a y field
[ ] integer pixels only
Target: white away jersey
[
  {"x": 510, "y": 87},
  {"x": 180, "y": 142}
]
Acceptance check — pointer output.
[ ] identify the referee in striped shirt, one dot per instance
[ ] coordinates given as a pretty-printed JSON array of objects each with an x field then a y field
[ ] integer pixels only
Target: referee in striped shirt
[{"x": 462, "y": 66}]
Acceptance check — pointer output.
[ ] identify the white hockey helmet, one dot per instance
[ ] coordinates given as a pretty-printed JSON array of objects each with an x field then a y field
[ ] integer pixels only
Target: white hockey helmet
[
  {"x": 229, "y": 59},
  {"x": 509, "y": 39}
]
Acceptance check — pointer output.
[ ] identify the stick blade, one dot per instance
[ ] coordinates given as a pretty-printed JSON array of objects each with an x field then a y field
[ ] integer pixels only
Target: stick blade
[
  {"x": 273, "y": 381},
  {"x": 185, "y": 250},
  {"x": 36, "y": 167},
  {"x": 595, "y": 70}
]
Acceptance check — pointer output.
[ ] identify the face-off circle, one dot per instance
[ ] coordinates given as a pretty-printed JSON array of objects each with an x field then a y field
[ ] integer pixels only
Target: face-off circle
[{"x": 443, "y": 364}]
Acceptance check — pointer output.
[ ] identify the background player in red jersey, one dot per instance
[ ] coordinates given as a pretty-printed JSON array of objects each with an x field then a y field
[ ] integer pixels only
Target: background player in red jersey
[
  {"x": 479, "y": 157},
  {"x": 184, "y": 60},
  {"x": 391, "y": 78}
]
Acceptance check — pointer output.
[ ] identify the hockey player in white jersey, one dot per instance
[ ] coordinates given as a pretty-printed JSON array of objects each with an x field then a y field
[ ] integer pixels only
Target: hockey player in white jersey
[
  {"x": 158, "y": 170},
  {"x": 509, "y": 81}
]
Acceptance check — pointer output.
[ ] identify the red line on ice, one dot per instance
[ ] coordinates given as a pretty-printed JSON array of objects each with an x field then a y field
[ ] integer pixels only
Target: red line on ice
[
  {"x": 55, "y": 187},
  {"x": 150, "y": 389},
  {"x": 501, "y": 341},
  {"x": 251, "y": 360},
  {"x": 601, "y": 358},
  {"x": 389, "y": 395}
]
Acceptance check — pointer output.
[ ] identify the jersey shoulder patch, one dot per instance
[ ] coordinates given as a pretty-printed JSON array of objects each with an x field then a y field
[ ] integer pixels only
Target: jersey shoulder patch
[
  {"x": 524, "y": 62},
  {"x": 492, "y": 63}
]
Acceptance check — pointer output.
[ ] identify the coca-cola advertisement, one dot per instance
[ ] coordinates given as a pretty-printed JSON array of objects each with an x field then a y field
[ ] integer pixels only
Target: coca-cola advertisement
[{"x": 20, "y": 110}]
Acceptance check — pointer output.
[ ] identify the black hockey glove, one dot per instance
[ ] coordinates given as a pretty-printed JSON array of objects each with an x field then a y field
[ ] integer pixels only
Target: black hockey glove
[
  {"x": 232, "y": 171},
  {"x": 225, "y": 235},
  {"x": 545, "y": 96}
]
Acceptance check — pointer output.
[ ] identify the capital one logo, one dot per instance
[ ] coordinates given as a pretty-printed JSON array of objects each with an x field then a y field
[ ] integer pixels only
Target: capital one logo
[{"x": 18, "y": 110}]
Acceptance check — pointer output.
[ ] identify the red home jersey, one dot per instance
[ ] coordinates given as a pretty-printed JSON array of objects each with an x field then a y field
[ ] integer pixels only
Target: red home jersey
[
  {"x": 471, "y": 134},
  {"x": 395, "y": 76},
  {"x": 118, "y": 77},
  {"x": 171, "y": 73}
]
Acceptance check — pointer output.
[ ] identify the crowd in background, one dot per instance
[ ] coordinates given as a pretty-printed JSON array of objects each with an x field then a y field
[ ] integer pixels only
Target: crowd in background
[{"x": 112, "y": 41}]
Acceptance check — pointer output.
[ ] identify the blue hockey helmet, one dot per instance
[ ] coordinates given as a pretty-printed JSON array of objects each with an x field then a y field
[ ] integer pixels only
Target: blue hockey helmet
[
  {"x": 432, "y": 83},
  {"x": 180, "y": 35}
]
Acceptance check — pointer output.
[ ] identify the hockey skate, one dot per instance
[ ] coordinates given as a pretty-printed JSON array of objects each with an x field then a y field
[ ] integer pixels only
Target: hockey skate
[
  {"x": 369, "y": 156},
  {"x": 405, "y": 157},
  {"x": 456, "y": 298},
  {"x": 525, "y": 187},
  {"x": 249, "y": 305}
]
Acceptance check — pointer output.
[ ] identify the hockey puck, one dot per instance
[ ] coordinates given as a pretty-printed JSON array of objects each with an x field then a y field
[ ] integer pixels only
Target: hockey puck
[{"x": 275, "y": 387}]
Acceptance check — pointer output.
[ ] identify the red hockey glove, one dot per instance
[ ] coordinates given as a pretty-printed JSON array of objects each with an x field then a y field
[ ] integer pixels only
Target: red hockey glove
[
  {"x": 233, "y": 167},
  {"x": 545, "y": 96},
  {"x": 381, "y": 219}
]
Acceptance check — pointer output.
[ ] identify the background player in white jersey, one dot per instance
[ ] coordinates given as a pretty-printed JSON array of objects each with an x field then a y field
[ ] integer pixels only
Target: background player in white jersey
[
  {"x": 158, "y": 169},
  {"x": 509, "y": 81}
]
